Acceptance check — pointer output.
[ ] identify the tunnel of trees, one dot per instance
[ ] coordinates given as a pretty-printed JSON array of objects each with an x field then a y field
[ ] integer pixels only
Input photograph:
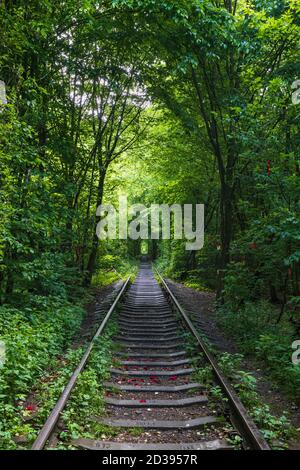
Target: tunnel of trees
[{"x": 180, "y": 101}]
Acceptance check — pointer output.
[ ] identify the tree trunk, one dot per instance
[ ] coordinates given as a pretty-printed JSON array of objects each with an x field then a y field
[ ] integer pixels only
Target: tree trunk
[
  {"x": 95, "y": 243},
  {"x": 9, "y": 285},
  {"x": 225, "y": 235}
]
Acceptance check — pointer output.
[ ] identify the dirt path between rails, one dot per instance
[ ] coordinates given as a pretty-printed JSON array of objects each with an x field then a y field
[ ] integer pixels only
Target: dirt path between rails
[{"x": 201, "y": 304}]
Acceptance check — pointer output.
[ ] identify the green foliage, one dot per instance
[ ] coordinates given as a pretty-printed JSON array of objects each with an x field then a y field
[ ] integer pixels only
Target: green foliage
[
  {"x": 254, "y": 328},
  {"x": 240, "y": 285},
  {"x": 112, "y": 268},
  {"x": 275, "y": 351},
  {"x": 204, "y": 376},
  {"x": 246, "y": 323},
  {"x": 170, "y": 101},
  {"x": 87, "y": 397},
  {"x": 33, "y": 340},
  {"x": 196, "y": 285},
  {"x": 276, "y": 430}
]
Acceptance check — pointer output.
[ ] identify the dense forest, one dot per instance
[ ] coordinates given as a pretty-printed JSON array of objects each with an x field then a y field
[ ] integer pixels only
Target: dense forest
[{"x": 180, "y": 101}]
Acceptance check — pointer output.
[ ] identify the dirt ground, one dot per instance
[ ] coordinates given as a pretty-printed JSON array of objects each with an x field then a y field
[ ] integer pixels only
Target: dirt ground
[
  {"x": 200, "y": 305},
  {"x": 102, "y": 299}
]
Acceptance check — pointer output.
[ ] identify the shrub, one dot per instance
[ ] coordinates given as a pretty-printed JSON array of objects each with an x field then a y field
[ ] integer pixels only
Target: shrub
[
  {"x": 33, "y": 338},
  {"x": 254, "y": 331}
]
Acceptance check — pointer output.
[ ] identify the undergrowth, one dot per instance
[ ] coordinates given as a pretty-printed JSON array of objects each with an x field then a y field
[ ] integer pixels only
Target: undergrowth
[
  {"x": 87, "y": 399},
  {"x": 114, "y": 268},
  {"x": 33, "y": 338},
  {"x": 253, "y": 328},
  {"x": 276, "y": 430}
]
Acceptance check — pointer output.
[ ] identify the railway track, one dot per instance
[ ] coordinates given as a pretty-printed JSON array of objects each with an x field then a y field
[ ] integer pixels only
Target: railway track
[{"x": 153, "y": 390}]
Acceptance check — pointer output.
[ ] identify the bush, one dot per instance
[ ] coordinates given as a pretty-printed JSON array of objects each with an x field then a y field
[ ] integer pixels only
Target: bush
[
  {"x": 246, "y": 323},
  {"x": 277, "y": 430},
  {"x": 276, "y": 352},
  {"x": 252, "y": 328},
  {"x": 240, "y": 285},
  {"x": 33, "y": 338},
  {"x": 112, "y": 268},
  {"x": 32, "y": 343}
]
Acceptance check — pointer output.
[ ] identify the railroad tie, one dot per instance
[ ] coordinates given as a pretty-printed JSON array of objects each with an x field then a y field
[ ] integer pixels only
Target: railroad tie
[{"x": 151, "y": 386}]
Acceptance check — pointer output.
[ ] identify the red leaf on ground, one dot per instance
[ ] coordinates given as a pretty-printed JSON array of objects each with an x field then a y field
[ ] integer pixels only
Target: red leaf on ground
[{"x": 30, "y": 408}]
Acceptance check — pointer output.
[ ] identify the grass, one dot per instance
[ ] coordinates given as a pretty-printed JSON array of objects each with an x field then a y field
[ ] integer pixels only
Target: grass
[{"x": 113, "y": 268}]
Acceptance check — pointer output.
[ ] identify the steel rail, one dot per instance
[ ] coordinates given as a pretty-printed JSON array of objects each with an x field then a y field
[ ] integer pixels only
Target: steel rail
[
  {"x": 240, "y": 416},
  {"x": 49, "y": 425}
]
